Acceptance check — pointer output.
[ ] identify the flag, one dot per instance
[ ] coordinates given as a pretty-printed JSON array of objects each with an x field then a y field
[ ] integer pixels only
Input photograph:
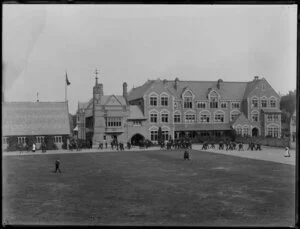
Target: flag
[{"x": 67, "y": 81}]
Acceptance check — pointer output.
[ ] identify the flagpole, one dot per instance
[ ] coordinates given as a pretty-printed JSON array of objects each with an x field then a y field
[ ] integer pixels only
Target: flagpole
[{"x": 66, "y": 88}]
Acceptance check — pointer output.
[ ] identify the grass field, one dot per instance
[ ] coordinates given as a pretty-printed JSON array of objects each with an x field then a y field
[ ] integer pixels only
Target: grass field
[{"x": 147, "y": 188}]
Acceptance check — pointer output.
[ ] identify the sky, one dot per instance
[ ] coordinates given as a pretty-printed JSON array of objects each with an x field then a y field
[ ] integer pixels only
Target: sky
[{"x": 134, "y": 43}]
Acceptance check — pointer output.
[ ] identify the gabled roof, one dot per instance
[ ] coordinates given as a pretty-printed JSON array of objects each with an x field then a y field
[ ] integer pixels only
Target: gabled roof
[
  {"x": 139, "y": 92},
  {"x": 135, "y": 112},
  {"x": 228, "y": 90},
  {"x": 105, "y": 98},
  {"x": 84, "y": 105},
  {"x": 35, "y": 118},
  {"x": 250, "y": 87},
  {"x": 240, "y": 120}
]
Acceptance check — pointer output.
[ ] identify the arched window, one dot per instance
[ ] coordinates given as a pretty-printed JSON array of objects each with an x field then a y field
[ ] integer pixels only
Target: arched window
[
  {"x": 239, "y": 130},
  {"x": 190, "y": 117},
  {"x": 165, "y": 133},
  {"x": 213, "y": 97},
  {"x": 272, "y": 102},
  {"x": 153, "y": 99},
  {"x": 153, "y": 116},
  {"x": 204, "y": 117},
  {"x": 263, "y": 102},
  {"x": 153, "y": 133},
  {"x": 188, "y": 100},
  {"x": 254, "y": 116},
  {"x": 219, "y": 116},
  {"x": 164, "y": 100},
  {"x": 233, "y": 115},
  {"x": 164, "y": 115},
  {"x": 254, "y": 102},
  {"x": 246, "y": 130},
  {"x": 177, "y": 117}
]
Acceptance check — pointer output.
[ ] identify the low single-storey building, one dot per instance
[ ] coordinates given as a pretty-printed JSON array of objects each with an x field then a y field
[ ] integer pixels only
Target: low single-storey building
[{"x": 27, "y": 122}]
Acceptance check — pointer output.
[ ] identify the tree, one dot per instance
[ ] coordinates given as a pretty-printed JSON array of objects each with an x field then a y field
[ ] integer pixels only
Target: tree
[{"x": 288, "y": 103}]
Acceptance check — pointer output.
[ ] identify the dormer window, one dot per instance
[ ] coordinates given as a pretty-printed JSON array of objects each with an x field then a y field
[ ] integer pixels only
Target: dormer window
[
  {"x": 263, "y": 103},
  {"x": 164, "y": 101},
  {"x": 254, "y": 103},
  {"x": 213, "y": 100},
  {"x": 273, "y": 103},
  {"x": 188, "y": 100}
]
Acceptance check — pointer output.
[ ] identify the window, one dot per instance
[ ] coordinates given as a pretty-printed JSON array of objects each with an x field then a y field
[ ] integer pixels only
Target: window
[
  {"x": 245, "y": 131},
  {"x": 188, "y": 100},
  {"x": 273, "y": 103},
  {"x": 263, "y": 103},
  {"x": 21, "y": 140},
  {"x": 5, "y": 140},
  {"x": 39, "y": 139},
  {"x": 235, "y": 105},
  {"x": 58, "y": 139},
  {"x": 137, "y": 123},
  {"x": 239, "y": 130},
  {"x": 165, "y": 135},
  {"x": 254, "y": 116},
  {"x": 164, "y": 118},
  {"x": 234, "y": 115},
  {"x": 164, "y": 101},
  {"x": 273, "y": 131},
  {"x": 204, "y": 134},
  {"x": 213, "y": 100},
  {"x": 78, "y": 118},
  {"x": 254, "y": 103},
  {"x": 176, "y": 118},
  {"x": 190, "y": 118},
  {"x": 272, "y": 117},
  {"x": 219, "y": 117},
  {"x": 175, "y": 104},
  {"x": 153, "y": 118},
  {"x": 223, "y": 105},
  {"x": 153, "y": 101},
  {"x": 113, "y": 122},
  {"x": 201, "y": 105},
  {"x": 154, "y": 135},
  {"x": 204, "y": 117}
]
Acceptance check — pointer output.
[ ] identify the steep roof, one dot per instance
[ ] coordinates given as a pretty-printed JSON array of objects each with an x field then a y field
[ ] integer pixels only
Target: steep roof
[
  {"x": 228, "y": 90},
  {"x": 271, "y": 110},
  {"x": 35, "y": 118},
  {"x": 240, "y": 120},
  {"x": 105, "y": 98},
  {"x": 135, "y": 112},
  {"x": 138, "y": 92}
]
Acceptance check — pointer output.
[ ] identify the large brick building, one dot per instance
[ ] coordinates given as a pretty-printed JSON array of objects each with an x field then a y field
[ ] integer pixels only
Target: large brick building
[
  {"x": 194, "y": 108},
  {"x": 206, "y": 108}
]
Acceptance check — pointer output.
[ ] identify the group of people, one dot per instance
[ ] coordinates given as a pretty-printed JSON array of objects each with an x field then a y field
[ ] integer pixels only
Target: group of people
[
  {"x": 33, "y": 147},
  {"x": 230, "y": 145},
  {"x": 176, "y": 144}
]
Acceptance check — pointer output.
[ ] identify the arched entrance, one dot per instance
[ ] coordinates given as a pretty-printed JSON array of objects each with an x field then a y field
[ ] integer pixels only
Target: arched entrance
[
  {"x": 136, "y": 139},
  {"x": 254, "y": 132}
]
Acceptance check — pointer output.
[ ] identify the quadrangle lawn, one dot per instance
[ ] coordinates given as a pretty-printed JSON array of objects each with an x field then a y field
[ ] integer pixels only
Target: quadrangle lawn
[{"x": 147, "y": 188}]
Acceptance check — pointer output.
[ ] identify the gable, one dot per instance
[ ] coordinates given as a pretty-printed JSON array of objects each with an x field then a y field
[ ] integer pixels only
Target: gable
[
  {"x": 113, "y": 101},
  {"x": 158, "y": 87},
  {"x": 261, "y": 88}
]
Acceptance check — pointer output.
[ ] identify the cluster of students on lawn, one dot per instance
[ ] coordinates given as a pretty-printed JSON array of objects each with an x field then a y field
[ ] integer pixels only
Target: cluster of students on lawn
[{"x": 230, "y": 145}]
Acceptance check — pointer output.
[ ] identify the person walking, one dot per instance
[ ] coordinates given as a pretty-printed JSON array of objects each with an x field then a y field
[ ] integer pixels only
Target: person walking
[
  {"x": 57, "y": 166},
  {"x": 287, "y": 152},
  {"x": 33, "y": 147},
  {"x": 186, "y": 155}
]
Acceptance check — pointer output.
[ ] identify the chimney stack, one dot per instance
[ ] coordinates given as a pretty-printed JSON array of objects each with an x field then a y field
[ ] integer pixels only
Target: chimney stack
[
  {"x": 125, "y": 90},
  {"x": 176, "y": 83},
  {"x": 255, "y": 77}
]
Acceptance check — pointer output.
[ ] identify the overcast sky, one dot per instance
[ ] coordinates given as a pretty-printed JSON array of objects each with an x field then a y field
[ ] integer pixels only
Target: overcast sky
[{"x": 134, "y": 43}]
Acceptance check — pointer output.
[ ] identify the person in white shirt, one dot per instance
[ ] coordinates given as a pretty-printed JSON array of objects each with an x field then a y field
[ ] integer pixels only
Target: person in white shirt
[
  {"x": 33, "y": 147},
  {"x": 287, "y": 152}
]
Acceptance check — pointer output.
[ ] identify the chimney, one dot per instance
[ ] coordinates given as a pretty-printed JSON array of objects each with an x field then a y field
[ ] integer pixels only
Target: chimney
[
  {"x": 176, "y": 83},
  {"x": 125, "y": 90},
  {"x": 220, "y": 81},
  {"x": 255, "y": 77}
]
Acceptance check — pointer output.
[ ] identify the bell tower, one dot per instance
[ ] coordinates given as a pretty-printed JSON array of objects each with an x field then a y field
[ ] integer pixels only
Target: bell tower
[{"x": 98, "y": 112}]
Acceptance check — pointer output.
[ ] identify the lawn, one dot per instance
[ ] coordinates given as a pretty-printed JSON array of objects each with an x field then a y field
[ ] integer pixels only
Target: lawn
[{"x": 147, "y": 188}]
